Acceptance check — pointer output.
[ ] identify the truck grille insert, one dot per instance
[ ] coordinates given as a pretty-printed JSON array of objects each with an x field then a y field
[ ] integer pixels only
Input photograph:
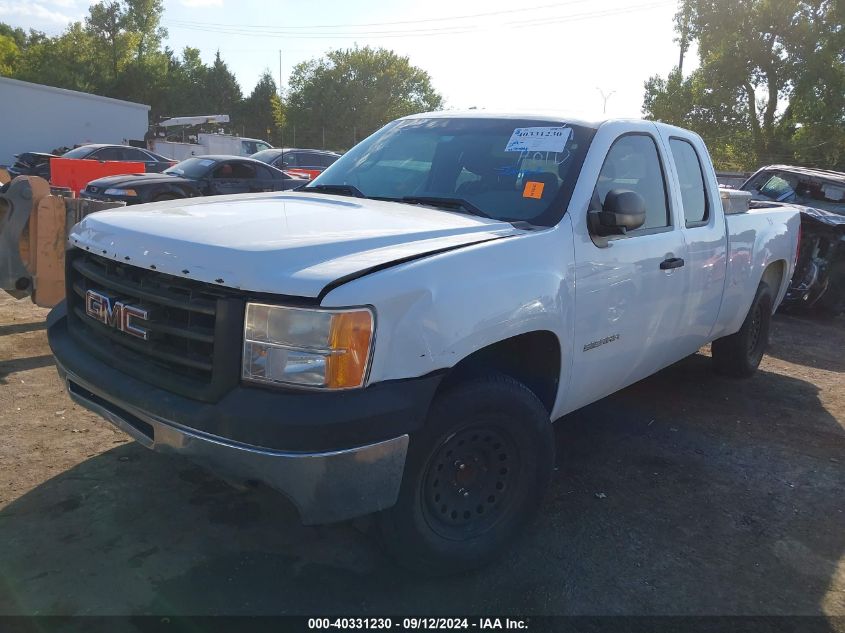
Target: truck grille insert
[{"x": 193, "y": 329}]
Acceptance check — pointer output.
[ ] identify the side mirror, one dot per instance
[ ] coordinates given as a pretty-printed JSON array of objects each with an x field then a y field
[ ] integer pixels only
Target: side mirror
[{"x": 623, "y": 211}]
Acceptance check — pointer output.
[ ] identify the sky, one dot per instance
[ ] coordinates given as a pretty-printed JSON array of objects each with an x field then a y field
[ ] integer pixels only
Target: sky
[{"x": 489, "y": 54}]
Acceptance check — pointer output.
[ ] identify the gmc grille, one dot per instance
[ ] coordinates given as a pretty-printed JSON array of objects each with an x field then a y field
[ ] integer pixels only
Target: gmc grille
[{"x": 194, "y": 329}]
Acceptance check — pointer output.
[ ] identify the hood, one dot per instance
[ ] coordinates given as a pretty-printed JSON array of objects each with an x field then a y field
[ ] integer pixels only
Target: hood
[
  {"x": 135, "y": 180},
  {"x": 291, "y": 243}
]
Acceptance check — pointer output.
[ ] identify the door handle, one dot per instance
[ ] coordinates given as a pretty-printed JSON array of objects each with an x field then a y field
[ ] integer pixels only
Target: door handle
[{"x": 671, "y": 262}]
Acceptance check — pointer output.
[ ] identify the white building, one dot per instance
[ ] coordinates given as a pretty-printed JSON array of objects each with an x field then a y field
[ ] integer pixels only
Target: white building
[{"x": 36, "y": 118}]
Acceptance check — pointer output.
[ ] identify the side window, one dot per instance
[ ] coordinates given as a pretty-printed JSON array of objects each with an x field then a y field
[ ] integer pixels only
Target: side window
[
  {"x": 136, "y": 155},
  {"x": 242, "y": 171},
  {"x": 327, "y": 159},
  {"x": 634, "y": 164},
  {"x": 234, "y": 171},
  {"x": 691, "y": 180},
  {"x": 310, "y": 160},
  {"x": 108, "y": 153},
  {"x": 290, "y": 158},
  {"x": 262, "y": 172}
]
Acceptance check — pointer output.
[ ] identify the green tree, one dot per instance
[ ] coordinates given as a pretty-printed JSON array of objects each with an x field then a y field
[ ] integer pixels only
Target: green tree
[
  {"x": 769, "y": 62},
  {"x": 260, "y": 114},
  {"x": 9, "y": 54},
  {"x": 347, "y": 94},
  {"x": 223, "y": 94},
  {"x": 106, "y": 23},
  {"x": 69, "y": 60},
  {"x": 143, "y": 19}
]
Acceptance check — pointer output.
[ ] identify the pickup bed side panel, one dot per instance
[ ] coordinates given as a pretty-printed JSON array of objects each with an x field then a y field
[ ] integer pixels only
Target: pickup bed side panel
[
  {"x": 756, "y": 239},
  {"x": 433, "y": 312}
]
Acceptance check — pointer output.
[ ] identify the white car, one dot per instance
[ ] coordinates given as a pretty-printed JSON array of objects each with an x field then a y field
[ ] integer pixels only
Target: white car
[{"x": 398, "y": 336}]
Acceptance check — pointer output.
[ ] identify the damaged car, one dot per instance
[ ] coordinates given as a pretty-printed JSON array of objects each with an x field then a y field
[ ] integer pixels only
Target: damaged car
[{"x": 819, "y": 280}]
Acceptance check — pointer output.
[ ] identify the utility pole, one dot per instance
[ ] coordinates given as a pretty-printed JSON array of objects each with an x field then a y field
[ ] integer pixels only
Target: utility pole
[
  {"x": 280, "y": 73},
  {"x": 604, "y": 99}
]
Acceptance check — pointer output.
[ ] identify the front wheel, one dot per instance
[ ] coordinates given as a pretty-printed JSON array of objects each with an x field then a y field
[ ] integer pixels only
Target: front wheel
[
  {"x": 739, "y": 354},
  {"x": 474, "y": 477}
]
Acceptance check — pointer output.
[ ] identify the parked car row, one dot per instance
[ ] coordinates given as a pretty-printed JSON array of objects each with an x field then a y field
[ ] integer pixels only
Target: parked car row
[
  {"x": 198, "y": 176},
  {"x": 307, "y": 162},
  {"x": 38, "y": 163},
  {"x": 165, "y": 179}
]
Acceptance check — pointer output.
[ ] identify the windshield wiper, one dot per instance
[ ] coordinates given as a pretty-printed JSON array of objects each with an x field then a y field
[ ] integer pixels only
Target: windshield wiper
[
  {"x": 343, "y": 190},
  {"x": 453, "y": 203}
]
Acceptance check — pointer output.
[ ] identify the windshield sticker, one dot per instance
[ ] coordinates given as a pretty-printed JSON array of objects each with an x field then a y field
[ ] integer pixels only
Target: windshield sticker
[
  {"x": 539, "y": 139},
  {"x": 533, "y": 189}
]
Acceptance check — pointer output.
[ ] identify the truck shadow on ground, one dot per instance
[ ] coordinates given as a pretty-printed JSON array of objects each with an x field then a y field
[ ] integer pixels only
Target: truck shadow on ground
[
  {"x": 684, "y": 494},
  {"x": 812, "y": 341},
  {"x": 8, "y": 367}
]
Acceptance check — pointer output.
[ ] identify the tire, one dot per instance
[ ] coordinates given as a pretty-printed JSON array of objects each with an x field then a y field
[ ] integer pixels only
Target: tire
[
  {"x": 739, "y": 354},
  {"x": 474, "y": 477}
]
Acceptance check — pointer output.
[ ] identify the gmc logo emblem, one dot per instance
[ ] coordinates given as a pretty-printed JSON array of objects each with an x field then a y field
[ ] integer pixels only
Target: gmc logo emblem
[{"x": 116, "y": 314}]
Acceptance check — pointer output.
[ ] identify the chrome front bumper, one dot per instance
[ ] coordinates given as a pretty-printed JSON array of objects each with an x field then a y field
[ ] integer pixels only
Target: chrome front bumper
[{"x": 325, "y": 487}]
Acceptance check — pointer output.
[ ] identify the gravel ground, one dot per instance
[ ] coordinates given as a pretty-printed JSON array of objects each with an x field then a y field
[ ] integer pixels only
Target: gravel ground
[{"x": 686, "y": 493}]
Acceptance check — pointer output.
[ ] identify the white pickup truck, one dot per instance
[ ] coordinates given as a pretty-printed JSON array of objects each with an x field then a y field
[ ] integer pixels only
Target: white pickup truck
[{"x": 397, "y": 337}]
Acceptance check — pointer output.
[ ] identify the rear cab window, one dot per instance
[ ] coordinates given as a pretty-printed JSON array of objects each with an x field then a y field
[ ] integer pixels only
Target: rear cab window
[{"x": 691, "y": 181}]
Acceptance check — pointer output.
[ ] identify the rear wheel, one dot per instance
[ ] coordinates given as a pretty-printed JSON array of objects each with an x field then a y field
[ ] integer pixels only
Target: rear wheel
[
  {"x": 474, "y": 476},
  {"x": 740, "y": 354}
]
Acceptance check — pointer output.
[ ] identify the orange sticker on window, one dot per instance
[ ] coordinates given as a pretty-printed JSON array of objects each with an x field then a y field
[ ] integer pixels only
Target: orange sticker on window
[{"x": 533, "y": 189}]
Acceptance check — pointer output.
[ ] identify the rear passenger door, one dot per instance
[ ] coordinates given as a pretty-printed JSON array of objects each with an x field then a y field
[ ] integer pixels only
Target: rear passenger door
[
  {"x": 703, "y": 228},
  {"x": 265, "y": 180},
  {"x": 630, "y": 289}
]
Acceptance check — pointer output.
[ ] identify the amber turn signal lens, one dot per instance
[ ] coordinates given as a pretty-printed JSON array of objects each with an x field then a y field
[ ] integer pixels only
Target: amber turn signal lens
[{"x": 350, "y": 338}]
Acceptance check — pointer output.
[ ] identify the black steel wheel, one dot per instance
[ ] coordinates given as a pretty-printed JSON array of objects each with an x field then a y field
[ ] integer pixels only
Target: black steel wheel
[
  {"x": 474, "y": 476},
  {"x": 740, "y": 354},
  {"x": 470, "y": 482}
]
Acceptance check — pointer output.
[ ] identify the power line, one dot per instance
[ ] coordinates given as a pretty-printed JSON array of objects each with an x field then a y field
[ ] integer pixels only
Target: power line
[
  {"x": 418, "y": 21},
  {"x": 452, "y": 30}
]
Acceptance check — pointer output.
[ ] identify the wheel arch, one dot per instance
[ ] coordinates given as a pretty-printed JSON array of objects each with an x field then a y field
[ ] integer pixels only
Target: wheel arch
[
  {"x": 533, "y": 358},
  {"x": 774, "y": 275}
]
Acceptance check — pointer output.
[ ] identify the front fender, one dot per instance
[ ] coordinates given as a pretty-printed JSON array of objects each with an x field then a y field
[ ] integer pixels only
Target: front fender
[{"x": 433, "y": 312}]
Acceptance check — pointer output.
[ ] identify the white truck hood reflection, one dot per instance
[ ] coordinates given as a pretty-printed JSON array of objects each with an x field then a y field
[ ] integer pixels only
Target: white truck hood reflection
[{"x": 291, "y": 244}]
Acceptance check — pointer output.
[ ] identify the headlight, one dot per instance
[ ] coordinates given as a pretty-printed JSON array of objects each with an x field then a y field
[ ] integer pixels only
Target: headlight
[
  {"x": 120, "y": 192},
  {"x": 327, "y": 349}
]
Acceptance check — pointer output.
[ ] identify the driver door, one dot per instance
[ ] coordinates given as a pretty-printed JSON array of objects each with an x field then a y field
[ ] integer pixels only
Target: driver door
[{"x": 630, "y": 289}]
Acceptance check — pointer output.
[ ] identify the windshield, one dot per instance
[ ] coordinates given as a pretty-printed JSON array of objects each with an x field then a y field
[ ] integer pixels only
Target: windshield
[
  {"x": 507, "y": 169},
  {"x": 79, "y": 152},
  {"x": 190, "y": 168}
]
